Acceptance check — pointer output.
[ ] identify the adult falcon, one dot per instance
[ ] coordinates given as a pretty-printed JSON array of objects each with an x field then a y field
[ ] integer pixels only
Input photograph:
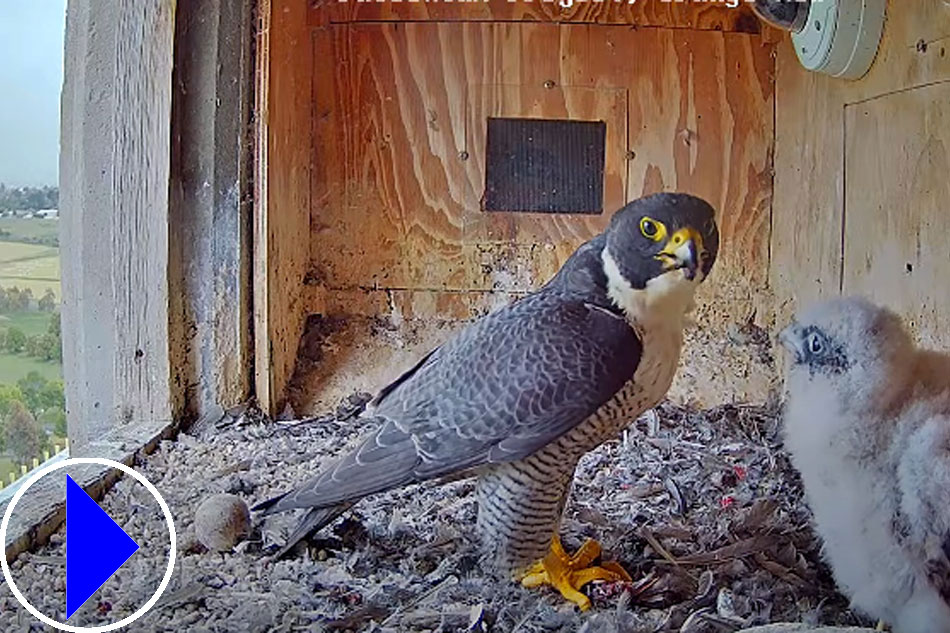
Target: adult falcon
[{"x": 518, "y": 396}]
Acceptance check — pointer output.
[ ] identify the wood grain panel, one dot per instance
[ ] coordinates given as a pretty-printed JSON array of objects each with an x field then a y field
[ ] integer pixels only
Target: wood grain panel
[
  {"x": 283, "y": 178},
  {"x": 403, "y": 305},
  {"x": 806, "y": 229},
  {"x": 701, "y": 121},
  {"x": 896, "y": 247},
  {"x": 810, "y": 188},
  {"x": 683, "y": 14},
  {"x": 399, "y": 144}
]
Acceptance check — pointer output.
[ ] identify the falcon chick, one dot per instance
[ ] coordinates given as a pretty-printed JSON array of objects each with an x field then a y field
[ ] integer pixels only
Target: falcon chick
[
  {"x": 868, "y": 426},
  {"x": 518, "y": 396}
]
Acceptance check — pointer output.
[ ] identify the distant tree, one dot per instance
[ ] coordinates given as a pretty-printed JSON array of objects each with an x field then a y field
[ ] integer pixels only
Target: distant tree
[
  {"x": 50, "y": 348},
  {"x": 16, "y": 340},
  {"x": 34, "y": 345},
  {"x": 23, "y": 435},
  {"x": 26, "y": 299},
  {"x": 12, "y": 296},
  {"x": 40, "y": 395},
  {"x": 8, "y": 395},
  {"x": 19, "y": 300},
  {"x": 56, "y": 419},
  {"x": 28, "y": 198},
  {"x": 53, "y": 396},
  {"x": 44, "y": 347},
  {"x": 55, "y": 331},
  {"x": 59, "y": 424},
  {"x": 4, "y": 300},
  {"x": 55, "y": 325},
  {"x": 33, "y": 387},
  {"x": 47, "y": 302}
]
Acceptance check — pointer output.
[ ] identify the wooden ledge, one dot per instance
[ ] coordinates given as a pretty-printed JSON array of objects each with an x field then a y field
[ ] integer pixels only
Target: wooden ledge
[{"x": 39, "y": 514}]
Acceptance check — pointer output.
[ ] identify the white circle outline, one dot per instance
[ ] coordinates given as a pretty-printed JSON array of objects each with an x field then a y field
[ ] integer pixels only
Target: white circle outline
[{"x": 74, "y": 461}]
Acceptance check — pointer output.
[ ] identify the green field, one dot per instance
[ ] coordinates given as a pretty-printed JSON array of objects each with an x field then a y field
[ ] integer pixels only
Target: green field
[
  {"x": 18, "y": 228},
  {"x": 13, "y": 367},
  {"x": 33, "y": 266},
  {"x": 29, "y": 266},
  {"x": 29, "y": 322},
  {"x": 12, "y": 252}
]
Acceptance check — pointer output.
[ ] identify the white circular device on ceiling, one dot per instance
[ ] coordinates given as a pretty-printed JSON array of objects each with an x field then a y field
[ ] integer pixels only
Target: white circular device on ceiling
[{"x": 835, "y": 37}]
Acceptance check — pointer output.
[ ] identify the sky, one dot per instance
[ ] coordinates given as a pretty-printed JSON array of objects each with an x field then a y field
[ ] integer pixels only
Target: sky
[{"x": 31, "y": 77}]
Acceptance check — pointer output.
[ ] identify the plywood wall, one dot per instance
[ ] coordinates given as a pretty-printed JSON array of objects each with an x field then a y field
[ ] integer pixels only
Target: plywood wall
[
  {"x": 400, "y": 94},
  {"x": 684, "y": 14},
  {"x": 861, "y": 184},
  {"x": 400, "y": 137}
]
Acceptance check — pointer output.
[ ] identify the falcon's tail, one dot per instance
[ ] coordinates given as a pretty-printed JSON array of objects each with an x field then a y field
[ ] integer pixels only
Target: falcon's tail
[
  {"x": 268, "y": 506},
  {"x": 314, "y": 520}
]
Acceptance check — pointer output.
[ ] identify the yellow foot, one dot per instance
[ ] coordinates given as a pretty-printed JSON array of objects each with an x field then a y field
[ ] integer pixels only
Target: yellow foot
[
  {"x": 568, "y": 574},
  {"x": 880, "y": 626}
]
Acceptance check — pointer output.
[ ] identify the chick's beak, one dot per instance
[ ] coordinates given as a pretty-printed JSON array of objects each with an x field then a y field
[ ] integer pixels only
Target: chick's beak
[
  {"x": 790, "y": 340},
  {"x": 684, "y": 250}
]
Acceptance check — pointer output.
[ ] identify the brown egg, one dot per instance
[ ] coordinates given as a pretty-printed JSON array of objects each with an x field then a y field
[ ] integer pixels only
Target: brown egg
[{"x": 221, "y": 522}]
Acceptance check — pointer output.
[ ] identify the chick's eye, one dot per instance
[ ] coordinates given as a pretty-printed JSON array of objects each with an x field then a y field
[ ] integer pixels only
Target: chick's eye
[
  {"x": 649, "y": 228},
  {"x": 815, "y": 346}
]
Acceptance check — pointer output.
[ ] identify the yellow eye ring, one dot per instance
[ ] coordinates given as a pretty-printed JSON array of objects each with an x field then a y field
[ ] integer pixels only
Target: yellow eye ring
[{"x": 652, "y": 229}]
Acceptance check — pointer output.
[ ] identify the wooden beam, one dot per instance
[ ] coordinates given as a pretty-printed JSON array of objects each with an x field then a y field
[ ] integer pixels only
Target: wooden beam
[
  {"x": 210, "y": 215},
  {"x": 155, "y": 234},
  {"x": 114, "y": 234},
  {"x": 282, "y": 180}
]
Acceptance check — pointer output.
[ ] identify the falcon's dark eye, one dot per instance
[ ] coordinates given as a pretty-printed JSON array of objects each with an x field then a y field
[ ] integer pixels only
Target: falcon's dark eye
[
  {"x": 652, "y": 229},
  {"x": 821, "y": 353},
  {"x": 815, "y": 344}
]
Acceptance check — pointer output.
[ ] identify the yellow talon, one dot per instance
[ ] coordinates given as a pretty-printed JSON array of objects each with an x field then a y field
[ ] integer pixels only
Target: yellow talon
[{"x": 568, "y": 574}]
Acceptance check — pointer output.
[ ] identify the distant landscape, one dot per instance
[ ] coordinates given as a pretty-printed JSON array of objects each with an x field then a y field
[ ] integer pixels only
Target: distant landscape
[{"x": 32, "y": 405}]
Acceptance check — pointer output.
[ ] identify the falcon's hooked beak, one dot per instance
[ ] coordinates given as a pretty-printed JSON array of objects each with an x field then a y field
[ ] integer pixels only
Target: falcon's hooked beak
[{"x": 684, "y": 250}]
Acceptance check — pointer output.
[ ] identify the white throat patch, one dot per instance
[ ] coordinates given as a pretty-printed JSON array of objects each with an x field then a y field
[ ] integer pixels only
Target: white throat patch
[{"x": 666, "y": 299}]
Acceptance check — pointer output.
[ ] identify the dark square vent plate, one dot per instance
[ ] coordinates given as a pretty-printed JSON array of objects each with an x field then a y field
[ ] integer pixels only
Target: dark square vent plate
[{"x": 545, "y": 166}]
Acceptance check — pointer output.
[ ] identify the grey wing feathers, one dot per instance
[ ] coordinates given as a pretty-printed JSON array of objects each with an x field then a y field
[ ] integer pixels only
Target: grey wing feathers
[
  {"x": 511, "y": 387},
  {"x": 500, "y": 390},
  {"x": 385, "y": 391},
  {"x": 384, "y": 460}
]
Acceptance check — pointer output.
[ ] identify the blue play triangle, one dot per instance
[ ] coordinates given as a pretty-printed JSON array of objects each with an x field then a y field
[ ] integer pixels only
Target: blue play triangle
[{"x": 95, "y": 546}]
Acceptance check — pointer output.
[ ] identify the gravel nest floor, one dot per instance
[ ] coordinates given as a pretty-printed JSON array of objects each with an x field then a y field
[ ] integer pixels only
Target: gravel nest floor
[{"x": 702, "y": 507}]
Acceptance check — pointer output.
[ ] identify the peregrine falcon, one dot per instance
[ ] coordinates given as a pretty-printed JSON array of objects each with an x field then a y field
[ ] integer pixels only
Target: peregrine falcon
[
  {"x": 518, "y": 396},
  {"x": 867, "y": 424}
]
